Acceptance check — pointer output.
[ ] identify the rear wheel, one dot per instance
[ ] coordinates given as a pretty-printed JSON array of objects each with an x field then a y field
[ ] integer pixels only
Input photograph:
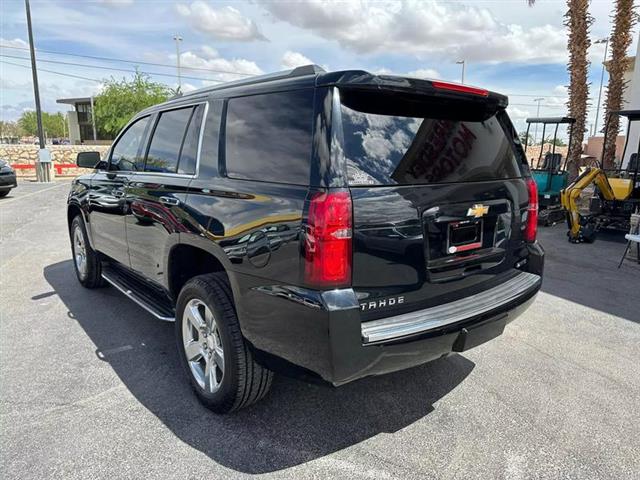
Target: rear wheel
[
  {"x": 86, "y": 261},
  {"x": 211, "y": 347},
  {"x": 4, "y": 193}
]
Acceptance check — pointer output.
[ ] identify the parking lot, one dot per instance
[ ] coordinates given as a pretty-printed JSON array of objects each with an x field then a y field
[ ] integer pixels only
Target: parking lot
[{"x": 91, "y": 386}]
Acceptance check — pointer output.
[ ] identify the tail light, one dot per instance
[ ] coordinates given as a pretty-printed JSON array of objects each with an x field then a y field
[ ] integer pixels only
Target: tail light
[
  {"x": 328, "y": 253},
  {"x": 531, "y": 227}
]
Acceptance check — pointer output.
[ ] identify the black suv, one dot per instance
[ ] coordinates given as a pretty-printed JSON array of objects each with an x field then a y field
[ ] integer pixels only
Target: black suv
[{"x": 328, "y": 225}]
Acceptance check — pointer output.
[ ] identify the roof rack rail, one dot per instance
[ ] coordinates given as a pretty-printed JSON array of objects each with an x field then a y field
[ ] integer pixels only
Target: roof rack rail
[{"x": 295, "y": 72}]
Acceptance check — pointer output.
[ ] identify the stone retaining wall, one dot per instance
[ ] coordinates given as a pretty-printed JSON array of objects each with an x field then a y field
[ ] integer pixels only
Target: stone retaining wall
[
  {"x": 60, "y": 154},
  {"x": 533, "y": 153}
]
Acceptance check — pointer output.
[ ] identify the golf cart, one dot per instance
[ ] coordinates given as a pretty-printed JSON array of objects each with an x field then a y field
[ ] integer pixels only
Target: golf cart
[
  {"x": 617, "y": 193},
  {"x": 550, "y": 173}
]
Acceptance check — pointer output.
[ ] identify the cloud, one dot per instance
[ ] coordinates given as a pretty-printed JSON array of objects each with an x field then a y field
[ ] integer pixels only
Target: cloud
[
  {"x": 427, "y": 27},
  {"x": 222, "y": 69},
  {"x": 294, "y": 59},
  {"x": 16, "y": 42},
  {"x": 224, "y": 23},
  {"x": 116, "y": 3},
  {"x": 426, "y": 73}
]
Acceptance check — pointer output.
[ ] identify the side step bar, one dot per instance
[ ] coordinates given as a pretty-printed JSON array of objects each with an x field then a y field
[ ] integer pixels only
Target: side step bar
[
  {"x": 157, "y": 307},
  {"x": 441, "y": 315}
]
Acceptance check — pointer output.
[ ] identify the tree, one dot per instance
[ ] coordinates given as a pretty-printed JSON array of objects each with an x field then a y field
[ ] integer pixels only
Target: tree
[
  {"x": 10, "y": 130},
  {"x": 54, "y": 124},
  {"x": 122, "y": 99},
  {"x": 525, "y": 138},
  {"x": 578, "y": 21},
  {"x": 624, "y": 19},
  {"x": 558, "y": 142}
]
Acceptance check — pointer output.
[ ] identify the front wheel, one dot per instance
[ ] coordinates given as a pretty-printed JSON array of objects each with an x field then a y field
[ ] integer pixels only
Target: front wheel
[{"x": 212, "y": 350}]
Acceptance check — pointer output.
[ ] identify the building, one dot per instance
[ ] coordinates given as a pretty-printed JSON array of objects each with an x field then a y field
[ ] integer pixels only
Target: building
[
  {"x": 81, "y": 126},
  {"x": 632, "y": 102}
]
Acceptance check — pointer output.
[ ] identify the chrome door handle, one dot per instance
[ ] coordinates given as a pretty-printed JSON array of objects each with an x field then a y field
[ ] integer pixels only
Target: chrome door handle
[
  {"x": 118, "y": 193},
  {"x": 169, "y": 200}
]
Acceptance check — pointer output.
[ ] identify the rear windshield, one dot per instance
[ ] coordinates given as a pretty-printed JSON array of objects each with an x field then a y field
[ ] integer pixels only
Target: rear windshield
[{"x": 383, "y": 149}]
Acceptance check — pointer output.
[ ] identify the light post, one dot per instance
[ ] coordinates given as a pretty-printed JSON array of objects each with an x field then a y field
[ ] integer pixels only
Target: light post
[
  {"x": 535, "y": 132},
  {"x": 606, "y": 47},
  {"x": 461, "y": 62},
  {"x": 178, "y": 39},
  {"x": 44, "y": 157},
  {"x": 93, "y": 120}
]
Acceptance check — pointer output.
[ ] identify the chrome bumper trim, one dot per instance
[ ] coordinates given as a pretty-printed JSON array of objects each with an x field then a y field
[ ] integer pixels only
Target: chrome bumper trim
[{"x": 435, "y": 317}]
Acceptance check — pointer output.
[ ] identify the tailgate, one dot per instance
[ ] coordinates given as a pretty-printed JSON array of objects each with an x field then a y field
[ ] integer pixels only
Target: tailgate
[
  {"x": 414, "y": 247},
  {"x": 438, "y": 195}
]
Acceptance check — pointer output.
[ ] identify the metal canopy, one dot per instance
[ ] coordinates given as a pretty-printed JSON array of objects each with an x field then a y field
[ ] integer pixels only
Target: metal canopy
[
  {"x": 553, "y": 120},
  {"x": 630, "y": 114}
]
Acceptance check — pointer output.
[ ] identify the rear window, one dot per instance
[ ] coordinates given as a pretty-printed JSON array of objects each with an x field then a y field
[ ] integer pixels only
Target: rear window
[
  {"x": 268, "y": 137},
  {"x": 385, "y": 149}
]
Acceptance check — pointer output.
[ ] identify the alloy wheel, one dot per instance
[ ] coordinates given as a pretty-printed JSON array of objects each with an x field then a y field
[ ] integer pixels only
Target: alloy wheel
[
  {"x": 202, "y": 345},
  {"x": 80, "y": 251}
]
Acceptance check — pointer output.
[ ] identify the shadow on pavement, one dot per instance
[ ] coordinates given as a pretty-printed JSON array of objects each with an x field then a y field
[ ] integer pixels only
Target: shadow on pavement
[
  {"x": 297, "y": 422},
  {"x": 588, "y": 274}
]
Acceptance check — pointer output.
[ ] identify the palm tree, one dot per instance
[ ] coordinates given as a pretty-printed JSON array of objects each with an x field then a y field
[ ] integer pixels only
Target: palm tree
[
  {"x": 624, "y": 19},
  {"x": 578, "y": 22}
]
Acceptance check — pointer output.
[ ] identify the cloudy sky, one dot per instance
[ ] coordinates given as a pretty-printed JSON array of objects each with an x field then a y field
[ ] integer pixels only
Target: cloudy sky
[{"x": 507, "y": 46}]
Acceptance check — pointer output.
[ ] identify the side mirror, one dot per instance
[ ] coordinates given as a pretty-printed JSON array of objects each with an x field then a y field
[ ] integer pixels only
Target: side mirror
[{"x": 88, "y": 159}]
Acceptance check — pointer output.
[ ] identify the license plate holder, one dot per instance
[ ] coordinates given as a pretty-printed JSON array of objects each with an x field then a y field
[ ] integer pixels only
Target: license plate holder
[{"x": 464, "y": 235}]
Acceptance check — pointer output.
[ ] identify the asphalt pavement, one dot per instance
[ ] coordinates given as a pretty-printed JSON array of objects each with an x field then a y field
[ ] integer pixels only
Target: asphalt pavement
[{"x": 91, "y": 386}]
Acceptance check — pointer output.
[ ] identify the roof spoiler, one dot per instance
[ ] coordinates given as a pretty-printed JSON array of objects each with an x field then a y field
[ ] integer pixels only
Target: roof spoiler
[{"x": 360, "y": 79}]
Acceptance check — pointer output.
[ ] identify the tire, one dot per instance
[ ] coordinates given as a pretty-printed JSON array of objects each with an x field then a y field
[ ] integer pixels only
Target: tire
[
  {"x": 239, "y": 381},
  {"x": 4, "y": 193},
  {"x": 88, "y": 271}
]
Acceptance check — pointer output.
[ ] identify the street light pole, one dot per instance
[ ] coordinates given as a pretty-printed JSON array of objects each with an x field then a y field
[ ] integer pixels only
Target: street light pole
[
  {"x": 93, "y": 120},
  {"x": 178, "y": 39},
  {"x": 606, "y": 46},
  {"x": 535, "y": 133},
  {"x": 40, "y": 174},
  {"x": 461, "y": 62}
]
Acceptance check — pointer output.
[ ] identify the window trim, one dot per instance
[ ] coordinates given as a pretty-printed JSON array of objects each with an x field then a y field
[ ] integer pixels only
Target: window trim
[
  {"x": 222, "y": 137},
  {"x": 147, "y": 140}
]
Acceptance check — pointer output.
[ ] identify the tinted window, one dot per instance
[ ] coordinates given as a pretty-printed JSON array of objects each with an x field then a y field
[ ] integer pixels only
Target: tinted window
[
  {"x": 391, "y": 149},
  {"x": 268, "y": 137},
  {"x": 210, "y": 145},
  {"x": 167, "y": 141},
  {"x": 126, "y": 154},
  {"x": 189, "y": 152}
]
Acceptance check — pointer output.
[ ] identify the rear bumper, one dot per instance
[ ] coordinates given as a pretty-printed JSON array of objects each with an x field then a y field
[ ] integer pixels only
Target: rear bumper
[
  {"x": 356, "y": 358},
  {"x": 321, "y": 333},
  {"x": 434, "y": 318}
]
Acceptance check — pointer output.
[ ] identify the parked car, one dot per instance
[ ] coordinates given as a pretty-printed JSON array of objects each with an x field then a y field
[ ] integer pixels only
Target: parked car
[
  {"x": 7, "y": 178},
  {"x": 231, "y": 210}
]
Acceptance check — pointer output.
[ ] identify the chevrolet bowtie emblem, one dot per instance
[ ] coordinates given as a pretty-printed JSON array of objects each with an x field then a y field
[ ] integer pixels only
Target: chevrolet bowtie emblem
[{"x": 477, "y": 211}]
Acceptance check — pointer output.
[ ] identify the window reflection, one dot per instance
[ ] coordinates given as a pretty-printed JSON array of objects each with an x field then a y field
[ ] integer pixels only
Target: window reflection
[
  {"x": 268, "y": 137},
  {"x": 388, "y": 150}
]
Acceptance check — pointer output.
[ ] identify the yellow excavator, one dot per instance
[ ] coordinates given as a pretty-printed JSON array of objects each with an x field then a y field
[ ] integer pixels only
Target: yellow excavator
[{"x": 616, "y": 195}]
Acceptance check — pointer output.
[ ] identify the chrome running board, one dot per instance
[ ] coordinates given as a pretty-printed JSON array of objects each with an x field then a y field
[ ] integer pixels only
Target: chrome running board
[
  {"x": 125, "y": 285},
  {"x": 431, "y": 318}
]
